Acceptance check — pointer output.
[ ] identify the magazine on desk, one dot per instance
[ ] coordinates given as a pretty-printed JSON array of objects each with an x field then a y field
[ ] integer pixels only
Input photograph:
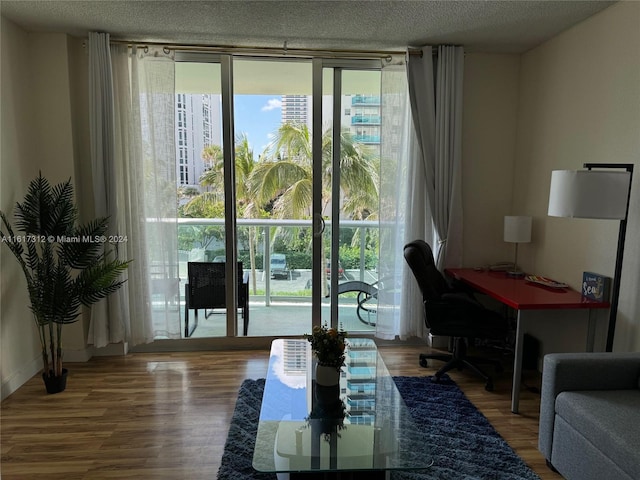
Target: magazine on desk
[{"x": 544, "y": 281}]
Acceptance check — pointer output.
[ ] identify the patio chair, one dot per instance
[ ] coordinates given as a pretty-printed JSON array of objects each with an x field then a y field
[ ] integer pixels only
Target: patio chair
[
  {"x": 366, "y": 292},
  {"x": 206, "y": 289}
]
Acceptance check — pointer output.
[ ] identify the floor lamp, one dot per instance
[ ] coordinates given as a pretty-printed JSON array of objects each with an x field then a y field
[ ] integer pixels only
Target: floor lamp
[{"x": 598, "y": 194}]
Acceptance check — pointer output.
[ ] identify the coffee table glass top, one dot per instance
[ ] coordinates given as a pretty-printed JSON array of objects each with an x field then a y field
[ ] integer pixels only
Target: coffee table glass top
[{"x": 362, "y": 424}]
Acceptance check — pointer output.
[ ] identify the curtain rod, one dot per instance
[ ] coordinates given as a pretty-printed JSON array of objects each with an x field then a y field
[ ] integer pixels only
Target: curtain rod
[{"x": 271, "y": 51}]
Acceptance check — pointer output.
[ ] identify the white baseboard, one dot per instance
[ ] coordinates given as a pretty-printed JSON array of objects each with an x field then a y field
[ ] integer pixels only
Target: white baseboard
[
  {"x": 111, "y": 350},
  {"x": 77, "y": 355},
  {"x": 84, "y": 355},
  {"x": 19, "y": 378}
]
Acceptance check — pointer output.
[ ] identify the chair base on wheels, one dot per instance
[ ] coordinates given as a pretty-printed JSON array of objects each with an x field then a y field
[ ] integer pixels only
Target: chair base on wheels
[{"x": 459, "y": 359}]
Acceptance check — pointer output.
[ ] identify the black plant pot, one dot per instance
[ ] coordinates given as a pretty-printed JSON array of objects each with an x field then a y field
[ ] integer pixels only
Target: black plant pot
[{"x": 55, "y": 384}]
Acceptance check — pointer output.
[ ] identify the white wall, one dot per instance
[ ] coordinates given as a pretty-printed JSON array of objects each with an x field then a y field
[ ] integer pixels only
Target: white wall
[
  {"x": 488, "y": 151},
  {"x": 37, "y": 135},
  {"x": 580, "y": 102},
  {"x": 19, "y": 345}
]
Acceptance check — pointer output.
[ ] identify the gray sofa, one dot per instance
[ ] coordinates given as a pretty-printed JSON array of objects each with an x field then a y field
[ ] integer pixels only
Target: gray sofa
[{"x": 590, "y": 415}]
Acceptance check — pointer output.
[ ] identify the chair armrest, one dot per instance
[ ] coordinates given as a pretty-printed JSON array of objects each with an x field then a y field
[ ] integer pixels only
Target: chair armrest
[{"x": 582, "y": 371}]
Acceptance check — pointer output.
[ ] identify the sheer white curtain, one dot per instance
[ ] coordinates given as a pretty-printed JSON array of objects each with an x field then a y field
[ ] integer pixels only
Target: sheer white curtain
[
  {"x": 437, "y": 114},
  {"x": 420, "y": 196},
  {"x": 142, "y": 174},
  {"x": 129, "y": 170},
  {"x": 110, "y": 319},
  {"x": 153, "y": 116},
  {"x": 404, "y": 212}
]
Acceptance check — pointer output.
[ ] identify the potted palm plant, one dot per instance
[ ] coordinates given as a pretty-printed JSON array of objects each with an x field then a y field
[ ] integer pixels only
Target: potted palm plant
[{"x": 66, "y": 265}]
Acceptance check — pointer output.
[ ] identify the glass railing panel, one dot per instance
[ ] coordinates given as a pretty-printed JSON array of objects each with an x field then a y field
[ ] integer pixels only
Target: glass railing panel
[
  {"x": 366, "y": 119},
  {"x": 365, "y": 100},
  {"x": 367, "y": 138}
]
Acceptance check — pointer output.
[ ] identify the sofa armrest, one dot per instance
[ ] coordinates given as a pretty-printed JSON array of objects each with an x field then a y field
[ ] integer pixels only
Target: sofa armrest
[{"x": 581, "y": 371}]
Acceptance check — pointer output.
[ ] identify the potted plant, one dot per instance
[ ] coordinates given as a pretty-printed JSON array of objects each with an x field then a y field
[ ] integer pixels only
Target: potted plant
[
  {"x": 65, "y": 265},
  {"x": 328, "y": 345}
]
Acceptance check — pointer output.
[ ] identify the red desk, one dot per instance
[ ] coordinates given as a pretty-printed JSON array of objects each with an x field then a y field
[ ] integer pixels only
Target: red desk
[{"x": 523, "y": 296}]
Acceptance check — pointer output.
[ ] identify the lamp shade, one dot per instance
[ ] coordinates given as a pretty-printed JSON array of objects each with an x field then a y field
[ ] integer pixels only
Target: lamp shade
[
  {"x": 589, "y": 194},
  {"x": 517, "y": 229}
]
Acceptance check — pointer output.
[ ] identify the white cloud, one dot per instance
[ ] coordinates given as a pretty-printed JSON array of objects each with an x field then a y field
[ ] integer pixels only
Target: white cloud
[{"x": 272, "y": 104}]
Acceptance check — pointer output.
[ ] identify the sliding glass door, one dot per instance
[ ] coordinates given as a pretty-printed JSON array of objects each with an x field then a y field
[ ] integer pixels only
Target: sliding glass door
[
  {"x": 277, "y": 167},
  {"x": 274, "y": 179},
  {"x": 350, "y": 179}
]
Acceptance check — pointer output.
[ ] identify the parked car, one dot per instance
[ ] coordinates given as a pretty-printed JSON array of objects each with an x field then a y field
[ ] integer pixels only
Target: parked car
[
  {"x": 219, "y": 258},
  {"x": 340, "y": 270},
  {"x": 278, "y": 264}
]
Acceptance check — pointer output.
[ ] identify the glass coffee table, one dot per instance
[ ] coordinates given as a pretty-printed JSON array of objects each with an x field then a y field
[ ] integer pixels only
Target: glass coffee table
[{"x": 360, "y": 428}]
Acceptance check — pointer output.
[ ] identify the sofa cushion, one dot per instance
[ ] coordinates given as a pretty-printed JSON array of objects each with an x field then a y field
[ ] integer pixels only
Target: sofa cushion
[{"x": 608, "y": 419}]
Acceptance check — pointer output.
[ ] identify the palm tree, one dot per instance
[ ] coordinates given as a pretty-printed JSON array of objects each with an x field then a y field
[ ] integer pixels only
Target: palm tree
[
  {"x": 245, "y": 164},
  {"x": 286, "y": 181},
  {"x": 213, "y": 176},
  {"x": 213, "y": 181}
]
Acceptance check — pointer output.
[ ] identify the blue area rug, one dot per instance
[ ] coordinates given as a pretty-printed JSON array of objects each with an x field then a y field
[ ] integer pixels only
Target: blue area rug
[{"x": 464, "y": 445}]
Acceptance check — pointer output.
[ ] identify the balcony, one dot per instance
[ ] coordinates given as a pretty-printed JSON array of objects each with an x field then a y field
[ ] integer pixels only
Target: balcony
[
  {"x": 278, "y": 306},
  {"x": 366, "y": 120},
  {"x": 367, "y": 138},
  {"x": 365, "y": 100}
]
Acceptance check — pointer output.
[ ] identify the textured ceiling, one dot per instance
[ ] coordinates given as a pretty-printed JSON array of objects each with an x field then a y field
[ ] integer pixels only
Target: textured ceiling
[{"x": 509, "y": 26}]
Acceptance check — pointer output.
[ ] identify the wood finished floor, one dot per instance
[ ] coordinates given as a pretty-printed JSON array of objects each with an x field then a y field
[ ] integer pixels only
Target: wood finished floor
[{"x": 166, "y": 416}]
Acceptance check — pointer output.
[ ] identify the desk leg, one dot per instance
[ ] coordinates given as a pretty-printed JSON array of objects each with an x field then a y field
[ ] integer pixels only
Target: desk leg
[
  {"x": 517, "y": 364},
  {"x": 591, "y": 330}
]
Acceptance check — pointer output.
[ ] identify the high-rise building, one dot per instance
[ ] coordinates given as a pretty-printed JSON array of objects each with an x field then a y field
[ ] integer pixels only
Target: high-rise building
[
  {"x": 197, "y": 126},
  {"x": 365, "y": 118},
  {"x": 297, "y": 109},
  {"x": 360, "y": 114}
]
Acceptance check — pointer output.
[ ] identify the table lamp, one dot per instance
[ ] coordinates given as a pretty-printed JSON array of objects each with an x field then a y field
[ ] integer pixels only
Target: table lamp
[
  {"x": 517, "y": 229},
  {"x": 596, "y": 194}
]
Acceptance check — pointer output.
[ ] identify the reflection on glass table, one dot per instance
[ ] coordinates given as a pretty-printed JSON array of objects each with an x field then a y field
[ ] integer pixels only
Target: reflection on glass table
[{"x": 360, "y": 425}]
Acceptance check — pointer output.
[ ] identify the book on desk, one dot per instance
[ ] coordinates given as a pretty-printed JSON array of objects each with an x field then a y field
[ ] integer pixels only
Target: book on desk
[{"x": 595, "y": 286}]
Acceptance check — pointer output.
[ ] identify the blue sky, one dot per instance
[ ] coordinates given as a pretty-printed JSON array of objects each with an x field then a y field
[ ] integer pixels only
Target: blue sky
[{"x": 258, "y": 116}]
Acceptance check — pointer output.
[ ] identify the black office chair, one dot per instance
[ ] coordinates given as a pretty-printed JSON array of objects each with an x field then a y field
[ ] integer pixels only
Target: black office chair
[
  {"x": 453, "y": 313},
  {"x": 206, "y": 289}
]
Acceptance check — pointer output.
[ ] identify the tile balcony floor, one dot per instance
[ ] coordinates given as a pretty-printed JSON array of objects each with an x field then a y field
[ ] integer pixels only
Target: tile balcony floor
[
  {"x": 286, "y": 315},
  {"x": 281, "y": 318}
]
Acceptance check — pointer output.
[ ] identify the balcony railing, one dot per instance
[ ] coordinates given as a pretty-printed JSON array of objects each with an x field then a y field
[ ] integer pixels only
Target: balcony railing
[
  {"x": 202, "y": 239},
  {"x": 365, "y": 100},
  {"x": 366, "y": 120},
  {"x": 367, "y": 138}
]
